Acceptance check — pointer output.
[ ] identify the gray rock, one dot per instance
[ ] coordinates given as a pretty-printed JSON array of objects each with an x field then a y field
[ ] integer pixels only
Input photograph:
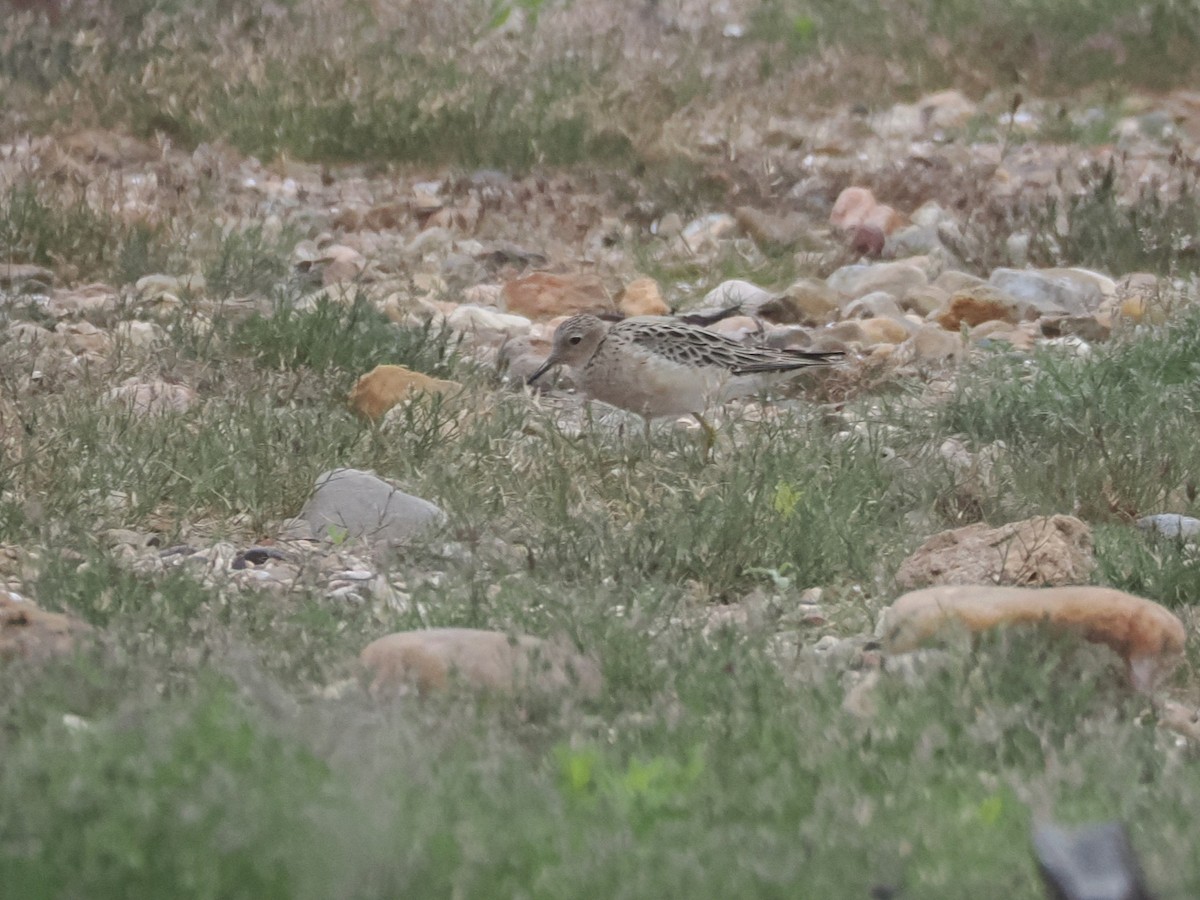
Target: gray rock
[
  {"x": 1050, "y": 292},
  {"x": 1170, "y": 525},
  {"x": 737, "y": 293},
  {"x": 1095, "y": 862},
  {"x": 876, "y": 303},
  {"x": 350, "y": 503},
  {"x": 913, "y": 240},
  {"x": 897, "y": 278}
]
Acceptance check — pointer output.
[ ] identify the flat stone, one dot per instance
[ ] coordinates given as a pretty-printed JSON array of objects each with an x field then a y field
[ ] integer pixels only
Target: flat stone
[
  {"x": 437, "y": 659},
  {"x": 385, "y": 386},
  {"x": 642, "y": 297},
  {"x": 896, "y": 278},
  {"x": 1095, "y": 862},
  {"x": 1049, "y": 292},
  {"x": 14, "y": 274},
  {"x": 544, "y": 296},
  {"x": 1170, "y": 525},
  {"x": 1043, "y": 550},
  {"x": 28, "y": 632},
  {"x": 350, "y": 503},
  {"x": 1146, "y": 635}
]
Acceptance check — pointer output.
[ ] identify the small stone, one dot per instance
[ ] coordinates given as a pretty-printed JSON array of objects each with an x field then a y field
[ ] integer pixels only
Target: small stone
[
  {"x": 670, "y": 225},
  {"x": 642, "y": 297},
  {"x": 545, "y": 296},
  {"x": 852, "y": 207},
  {"x": 742, "y": 294},
  {"x": 883, "y": 330},
  {"x": 1044, "y": 550},
  {"x": 1095, "y": 862},
  {"x": 152, "y": 285},
  {"x": 1146, "y": 635},
  {"x": 28, "y": 632},
  {"x": 1094, "y": 329},
  {"x": 896, "y": 278},
  {"x": 476, "y": 319},
  {"x": 84, "y": 338},
  {"x": 933, "y": 344},
  {"x": 1170, "y": 525},
  {"x": 876, "y": 303},
  {"x": 96, "y": 301},
  {"x": 976, "y": 305},
  {"x": 952, "y": 281},
  {"x": 436, "y": 659},
  {"x": 349, "y": 504},
  {"x": 772, "y": 230},
  {"x": 808, "y": 301},
  {"x": 736, "y": 327},
  {"x": 152, "y": 398},
  {"x": 1043, "y": 292},
  {"x": 1018, "y": 337},
  {"x": 924, "y": 300},
  {"x": 707, "y": 232},
  {"x": 140, "y": 335},
  {"x": 17, "y": 274},
  {"x": 430, "y": 241},
  {"x": 385, "y": 386}
]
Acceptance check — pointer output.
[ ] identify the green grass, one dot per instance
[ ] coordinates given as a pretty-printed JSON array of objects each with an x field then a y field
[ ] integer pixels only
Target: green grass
[
  {"x": 710, "y": 766},
  {"x": 215, "y": 742},
  {"x": 1047, "y": 46}
]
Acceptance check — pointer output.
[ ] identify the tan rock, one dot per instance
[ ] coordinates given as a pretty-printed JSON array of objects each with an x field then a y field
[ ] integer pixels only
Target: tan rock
[
  {"x": 932, "y": 343},
  {"x": 340, "y": 263},
  {"x": 808, "y": 301},
  {"x": 642, "y": 297},
  {"x": 975, "y": 305},
  {"x": 30, "y": 633},
  {"x": 83, "y": 337},
  {"x": 952, "y": 281},
  {"x": 152, "y": 398},
  {"x": 92, "y": 300},
  {"x": 17, "y": 273},
  {"x": 848, "y": 332},
  {"x": 1019, "y": 337},
  {"x": 438, "y": 658},
  {"x": 852, "y": 207},
  {"x": 544, "y": 296},
  {"x": 736, "y": 327},
  {"x": 924, "y": 300},
  {"x": 896, "y": 278},
  {"x": 883, "y": 330},
  {"x": 765, "y": 228},
  {"x": 1044, "y": 550},
  {"x": 385, "y": 386},
  {"x": 1147, "y": 636}
]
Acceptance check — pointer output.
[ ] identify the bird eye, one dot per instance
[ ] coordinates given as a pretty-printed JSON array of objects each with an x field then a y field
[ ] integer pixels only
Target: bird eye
[{"x": 575, "y": 340}]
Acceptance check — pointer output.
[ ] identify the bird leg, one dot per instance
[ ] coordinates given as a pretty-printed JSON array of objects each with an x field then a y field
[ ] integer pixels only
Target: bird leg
[{"x": 710, "y": 436}]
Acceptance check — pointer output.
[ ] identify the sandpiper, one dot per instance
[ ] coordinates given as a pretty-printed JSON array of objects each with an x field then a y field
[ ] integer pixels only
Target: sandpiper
[{"x": 659, "y": 367}]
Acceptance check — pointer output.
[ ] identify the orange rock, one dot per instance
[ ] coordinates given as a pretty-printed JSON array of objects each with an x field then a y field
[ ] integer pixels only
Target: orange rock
[
  {"x": 1147, "y": 636},
  {"x": 435, "y": 659},
  {"x": 544, "y": 296},
  {"x": 385, "y": 386},
  {"x": 977, "y": 305},
  {"x": 29, "y": 632},
  {"x": 1043, "y": 550},
  {"x": 642, "y": 298}
]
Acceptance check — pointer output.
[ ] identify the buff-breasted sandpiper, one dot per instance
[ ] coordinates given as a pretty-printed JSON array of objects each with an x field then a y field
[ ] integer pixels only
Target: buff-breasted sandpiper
[{"x": 658, "y": 367}]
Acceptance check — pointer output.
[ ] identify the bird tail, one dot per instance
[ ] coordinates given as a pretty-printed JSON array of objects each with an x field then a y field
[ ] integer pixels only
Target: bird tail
[{"x": 789, "y": 360}]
